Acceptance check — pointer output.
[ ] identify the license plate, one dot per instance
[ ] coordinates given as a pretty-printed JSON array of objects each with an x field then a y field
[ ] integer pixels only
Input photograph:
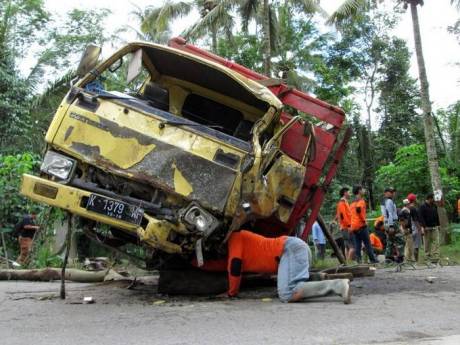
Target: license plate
[{"x": 115, "y": 209}]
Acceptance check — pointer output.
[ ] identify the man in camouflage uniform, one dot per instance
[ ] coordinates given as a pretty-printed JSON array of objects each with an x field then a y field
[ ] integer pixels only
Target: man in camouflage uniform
[{"x": 395, "y": 237}]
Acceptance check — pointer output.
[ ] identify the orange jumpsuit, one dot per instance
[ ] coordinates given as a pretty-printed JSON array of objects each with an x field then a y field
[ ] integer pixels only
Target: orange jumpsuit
[{"x": 249, "y": 252}]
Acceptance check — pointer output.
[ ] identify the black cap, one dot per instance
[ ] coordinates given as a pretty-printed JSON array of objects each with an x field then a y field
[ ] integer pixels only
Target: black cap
[{"x": 390, "y": 189}]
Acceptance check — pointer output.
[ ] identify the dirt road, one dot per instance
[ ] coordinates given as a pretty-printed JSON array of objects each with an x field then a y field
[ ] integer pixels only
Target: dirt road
[{"x": 401, "y": 308}]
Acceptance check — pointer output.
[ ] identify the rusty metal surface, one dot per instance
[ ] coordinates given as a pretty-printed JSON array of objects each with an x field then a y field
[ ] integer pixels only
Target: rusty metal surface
[{"x": 165, "y": 165}]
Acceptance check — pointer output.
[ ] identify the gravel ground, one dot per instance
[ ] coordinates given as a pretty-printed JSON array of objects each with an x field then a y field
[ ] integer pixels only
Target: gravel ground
[{"x": 401, "y": 308}]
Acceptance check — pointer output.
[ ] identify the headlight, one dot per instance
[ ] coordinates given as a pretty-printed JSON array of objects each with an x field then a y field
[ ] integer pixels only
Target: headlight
[
  {"x": 58, "y": 165},
  {"x": 202, "y": 220}
]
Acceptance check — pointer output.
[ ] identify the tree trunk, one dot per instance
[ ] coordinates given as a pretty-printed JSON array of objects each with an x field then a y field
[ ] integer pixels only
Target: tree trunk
[
  {"x": 267, "y": 39},
  {"x": 49, "y": 274},
  {"x": 456, "y": 137},
  {"x": 214, "y": 39},
  {"x": 433, "y": 164}
]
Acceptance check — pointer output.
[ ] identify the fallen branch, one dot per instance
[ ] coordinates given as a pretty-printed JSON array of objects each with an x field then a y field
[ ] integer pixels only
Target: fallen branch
[{"x": 49, "y": 274}]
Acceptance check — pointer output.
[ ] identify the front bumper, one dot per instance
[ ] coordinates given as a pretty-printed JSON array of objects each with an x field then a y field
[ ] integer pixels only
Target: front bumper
[{"x": 155, "y": 233}]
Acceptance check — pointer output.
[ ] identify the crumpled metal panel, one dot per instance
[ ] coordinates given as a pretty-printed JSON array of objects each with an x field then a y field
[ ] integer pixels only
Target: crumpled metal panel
[
  {"x": 106, "y": 144},
  {"x": 187, "y": 174}
]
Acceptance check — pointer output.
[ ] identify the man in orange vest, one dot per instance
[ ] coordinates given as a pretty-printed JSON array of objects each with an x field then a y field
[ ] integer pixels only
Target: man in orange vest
[
  {"x": 458, "y": 209},
  {"x": 343, "y": 216},
  {"x": 376, "y": 243},
  {"x": 379, "y": 230},
  {"x": 287, "y": 256},
  {"x": 359, "y": 225}
]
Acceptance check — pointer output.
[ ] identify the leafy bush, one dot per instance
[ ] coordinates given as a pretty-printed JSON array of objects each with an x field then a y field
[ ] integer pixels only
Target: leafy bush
[
  {"x": 13, "y": 205},
  {"x": 409, "y": 174}
]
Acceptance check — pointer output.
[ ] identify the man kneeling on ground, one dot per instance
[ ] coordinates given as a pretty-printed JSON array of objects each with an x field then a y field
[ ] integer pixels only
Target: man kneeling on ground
[{"x": 289, "y": 257}]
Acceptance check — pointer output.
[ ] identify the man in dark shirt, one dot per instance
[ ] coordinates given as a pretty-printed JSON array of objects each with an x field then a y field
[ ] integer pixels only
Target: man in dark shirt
[
  {"x": 26, "y": 229},
  {"x": 429, "y": 221},
  {"x": 416, "y": 229}
]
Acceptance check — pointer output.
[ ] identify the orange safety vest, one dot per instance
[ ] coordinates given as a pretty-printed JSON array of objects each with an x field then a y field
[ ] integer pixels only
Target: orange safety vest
[
  {"x": 376, "y": 242},
  {"x": 358, "y": 214},
  {"x": 343, "y": 214},
  {"x": 380, "y": 219}
]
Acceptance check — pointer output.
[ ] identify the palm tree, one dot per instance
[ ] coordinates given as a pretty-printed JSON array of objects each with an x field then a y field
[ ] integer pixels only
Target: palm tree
[
  {"x": 155, "y": 20},
  {"x": 263, "y": 12},
  {"x": 350, "y": 9},
  {"x": 214, "y": 16}
]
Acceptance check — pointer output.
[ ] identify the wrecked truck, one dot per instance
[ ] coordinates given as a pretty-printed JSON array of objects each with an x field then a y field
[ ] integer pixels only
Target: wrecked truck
[{"x": 173, "y": 147}]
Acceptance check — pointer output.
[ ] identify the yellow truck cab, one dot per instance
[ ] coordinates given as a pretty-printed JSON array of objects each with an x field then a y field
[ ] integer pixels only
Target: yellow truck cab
[{"x": 170, "y": 149}]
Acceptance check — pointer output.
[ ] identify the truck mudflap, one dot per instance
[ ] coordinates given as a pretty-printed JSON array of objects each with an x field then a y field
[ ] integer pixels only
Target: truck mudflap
[{"x": 154, "y": 232}]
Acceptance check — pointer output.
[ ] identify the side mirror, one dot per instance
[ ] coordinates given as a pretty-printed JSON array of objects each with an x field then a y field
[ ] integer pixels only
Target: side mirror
[{"x": 88, "y": 60}]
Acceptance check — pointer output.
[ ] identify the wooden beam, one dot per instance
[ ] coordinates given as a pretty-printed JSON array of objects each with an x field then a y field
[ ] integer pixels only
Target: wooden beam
[{"x": 338, "y": 253}]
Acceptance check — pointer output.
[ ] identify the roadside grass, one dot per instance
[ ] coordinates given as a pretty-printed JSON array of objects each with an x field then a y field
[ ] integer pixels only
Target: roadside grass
[{"x": 452, "y": 251}]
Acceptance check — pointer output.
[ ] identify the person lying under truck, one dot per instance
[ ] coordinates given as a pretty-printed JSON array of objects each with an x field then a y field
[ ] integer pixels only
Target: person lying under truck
[{"x": 287, "y": 256}]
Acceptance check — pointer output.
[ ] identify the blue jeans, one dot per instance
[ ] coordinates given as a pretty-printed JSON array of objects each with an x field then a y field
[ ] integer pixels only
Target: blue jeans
[
  {"x": 362, "y": 236},
  {"x": 293, "y": 267}
]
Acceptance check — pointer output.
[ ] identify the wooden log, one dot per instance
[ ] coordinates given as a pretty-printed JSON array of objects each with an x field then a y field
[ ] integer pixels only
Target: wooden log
[
  {"x": 357, "y": 271},
  {"x": 317, "y": 276},
  {"x": 348, "y": 276},
  {"x": 338, "y": 253},
  {"x": 49, "y": 274}
]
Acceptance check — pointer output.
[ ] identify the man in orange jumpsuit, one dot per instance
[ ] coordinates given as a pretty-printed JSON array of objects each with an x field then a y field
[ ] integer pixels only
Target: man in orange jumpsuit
[
  {"x": 359, "y": 225},
  {"x": 343, "y": 216},
  {"x": 287, "y": 256}
]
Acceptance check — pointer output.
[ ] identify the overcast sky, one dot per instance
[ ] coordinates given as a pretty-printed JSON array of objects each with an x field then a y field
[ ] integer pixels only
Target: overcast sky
[{"x": 440, "y": 48}]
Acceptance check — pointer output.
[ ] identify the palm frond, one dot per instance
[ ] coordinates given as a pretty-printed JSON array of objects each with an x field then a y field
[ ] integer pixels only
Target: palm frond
[
  {"x": 52, "y": 88},
  {"x": 456, "y": 3},
  {"x": 149, "y": 20},
  {"x": 218, "y": 17},
  {"x": 347, "y": 11},
  {"x": 170, "y": 11},
  {"x": 310, "y": 6}
]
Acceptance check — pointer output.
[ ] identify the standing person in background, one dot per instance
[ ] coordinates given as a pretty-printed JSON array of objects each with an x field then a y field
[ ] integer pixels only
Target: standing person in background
[
  {"x": 343, "y": 215},
  {"x": 26, "y": 229},
  {"x": 405, "y": 221},
  {"x": 416, "y": 229},
  {"x": 428, "y": 216},
  {"x": 319, "y": 240},
  {"x": 395, "y": 237},
  {"x": 359, "y": 225},
  {"x": 458, "y": 209}
]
